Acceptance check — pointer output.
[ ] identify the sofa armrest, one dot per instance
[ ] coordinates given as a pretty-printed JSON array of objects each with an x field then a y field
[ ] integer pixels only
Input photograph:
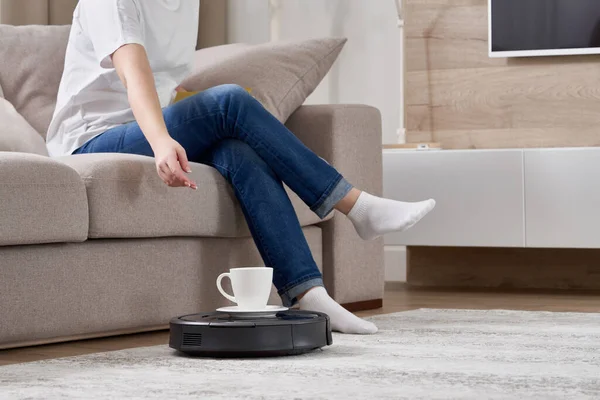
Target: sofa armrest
[
  {"x": 41, "y": 201},
  {"x": 348, "y": 137}
]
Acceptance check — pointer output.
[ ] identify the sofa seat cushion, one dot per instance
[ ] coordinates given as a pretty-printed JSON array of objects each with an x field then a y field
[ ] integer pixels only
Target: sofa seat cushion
[
  {"x": 127, "y": 199},
  {"x": 41, "y": 201}
]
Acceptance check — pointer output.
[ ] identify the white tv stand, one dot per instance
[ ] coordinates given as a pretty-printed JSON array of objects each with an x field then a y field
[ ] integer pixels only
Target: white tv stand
[{"x": 499, "y": 198}]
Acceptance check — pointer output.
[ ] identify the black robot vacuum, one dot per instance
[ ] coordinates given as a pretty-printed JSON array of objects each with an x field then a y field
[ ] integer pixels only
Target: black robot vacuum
[{"x": 221, "y": 335}]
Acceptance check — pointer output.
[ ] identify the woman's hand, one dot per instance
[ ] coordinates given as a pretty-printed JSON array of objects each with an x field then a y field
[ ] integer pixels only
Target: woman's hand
[{"x": 171, "y": 162}]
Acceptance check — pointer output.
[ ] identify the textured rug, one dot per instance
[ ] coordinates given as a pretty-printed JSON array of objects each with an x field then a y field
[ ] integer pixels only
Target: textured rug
[{"x": 422, "y": 354}]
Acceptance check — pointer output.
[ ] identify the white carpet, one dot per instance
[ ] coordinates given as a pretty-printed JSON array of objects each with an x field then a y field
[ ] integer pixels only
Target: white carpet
[{"x": 422, "y": 354}]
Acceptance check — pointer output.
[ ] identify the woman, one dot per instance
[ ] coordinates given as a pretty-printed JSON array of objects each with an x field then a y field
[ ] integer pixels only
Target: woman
[{"x": 124, "y": 63}]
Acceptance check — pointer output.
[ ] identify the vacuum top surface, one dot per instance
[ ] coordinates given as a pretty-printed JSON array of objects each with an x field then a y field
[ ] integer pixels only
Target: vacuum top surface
[{"x": 218, "y": 319}]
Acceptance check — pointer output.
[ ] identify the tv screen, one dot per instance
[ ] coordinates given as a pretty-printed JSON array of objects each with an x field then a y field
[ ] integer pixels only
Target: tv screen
[{"x": 520, "y": 28}]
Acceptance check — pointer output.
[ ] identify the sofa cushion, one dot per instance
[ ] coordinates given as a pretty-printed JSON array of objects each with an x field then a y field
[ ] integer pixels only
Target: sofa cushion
[
  {"x": 16, "y": 134},
  {"x": 281, "y": 75},
  {"x": 31, "y": 65},
  {"x": 41, "y": 201},
  {"x": 127, "y": 199}
]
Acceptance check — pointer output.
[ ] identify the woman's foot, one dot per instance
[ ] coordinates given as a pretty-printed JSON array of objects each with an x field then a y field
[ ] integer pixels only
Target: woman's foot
[
  {"x": 342, "y": 320},
  {"x": 373, "y": 216}
]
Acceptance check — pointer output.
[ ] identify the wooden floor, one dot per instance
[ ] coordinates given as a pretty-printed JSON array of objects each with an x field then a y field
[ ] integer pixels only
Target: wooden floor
[{"x": 401, "y": 299}]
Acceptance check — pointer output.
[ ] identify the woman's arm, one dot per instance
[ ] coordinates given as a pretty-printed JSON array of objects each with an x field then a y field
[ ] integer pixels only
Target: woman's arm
[{"x": 133, "y": 67}]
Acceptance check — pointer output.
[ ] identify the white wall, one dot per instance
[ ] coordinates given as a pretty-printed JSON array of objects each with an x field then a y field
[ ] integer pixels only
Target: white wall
[
  {"x": 367, "y": 70},
  {"x": 248, "y": 21}
]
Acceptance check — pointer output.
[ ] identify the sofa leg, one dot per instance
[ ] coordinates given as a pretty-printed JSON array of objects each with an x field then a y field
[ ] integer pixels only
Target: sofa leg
[{"x": 363, "y": 305}]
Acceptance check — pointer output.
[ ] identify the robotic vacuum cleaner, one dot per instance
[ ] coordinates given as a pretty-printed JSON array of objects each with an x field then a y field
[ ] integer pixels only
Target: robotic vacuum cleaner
[{"x": 221, "y": 335}]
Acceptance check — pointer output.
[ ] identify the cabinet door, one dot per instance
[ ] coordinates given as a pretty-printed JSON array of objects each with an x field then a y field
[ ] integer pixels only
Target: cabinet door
[
  {"x": 562, "y": 197},
  {"x": 479, "y": 196}
]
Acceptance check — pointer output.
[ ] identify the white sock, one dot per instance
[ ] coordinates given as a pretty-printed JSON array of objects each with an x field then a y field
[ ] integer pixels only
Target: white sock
[
  {"x": 374, "y": 216},
  {"x": 342, "y": 320}
]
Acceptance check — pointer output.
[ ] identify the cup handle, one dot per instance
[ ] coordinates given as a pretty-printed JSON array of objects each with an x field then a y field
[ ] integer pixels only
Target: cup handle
[{"x": 223, "y": 292}]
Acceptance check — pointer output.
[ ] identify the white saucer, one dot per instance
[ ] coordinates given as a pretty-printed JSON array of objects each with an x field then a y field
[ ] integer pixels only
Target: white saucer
[{"x": 240, "y": 312}]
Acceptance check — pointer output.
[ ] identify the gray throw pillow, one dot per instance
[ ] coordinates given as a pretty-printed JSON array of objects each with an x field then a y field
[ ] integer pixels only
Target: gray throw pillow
[
  {"x": 32, "y": 58},
  {"x": 16, "y": 134},
  {"x": 280, "y": 75}
]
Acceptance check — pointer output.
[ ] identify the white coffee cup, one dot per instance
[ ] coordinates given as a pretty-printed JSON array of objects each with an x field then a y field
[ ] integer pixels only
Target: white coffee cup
[{"x": 251, "y": 287}]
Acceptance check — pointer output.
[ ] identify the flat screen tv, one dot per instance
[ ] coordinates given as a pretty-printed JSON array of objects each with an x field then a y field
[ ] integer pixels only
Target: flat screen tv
[{"x": 525, "y": 28}]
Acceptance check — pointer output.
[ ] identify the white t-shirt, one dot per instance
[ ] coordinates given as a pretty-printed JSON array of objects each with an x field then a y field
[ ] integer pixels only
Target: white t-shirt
[{"x": 91, "y": 97}]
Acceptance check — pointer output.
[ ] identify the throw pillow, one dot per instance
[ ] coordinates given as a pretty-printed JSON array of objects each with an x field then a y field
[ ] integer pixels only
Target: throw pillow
[
  {"x": 32, "y": 58},
  {"x": 281, "y": 75},
  {"x": 16, "y": 134}
]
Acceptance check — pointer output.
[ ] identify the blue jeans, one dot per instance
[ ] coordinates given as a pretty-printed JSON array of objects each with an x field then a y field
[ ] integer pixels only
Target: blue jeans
[{"x": 226, "y": 128}]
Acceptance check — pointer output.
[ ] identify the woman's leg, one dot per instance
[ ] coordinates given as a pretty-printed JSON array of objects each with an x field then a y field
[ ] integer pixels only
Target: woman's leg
[
  {"x": 228, "y": 111},
  {"x": 270, "y": 217},
  {"x": 277, "y": 232}
]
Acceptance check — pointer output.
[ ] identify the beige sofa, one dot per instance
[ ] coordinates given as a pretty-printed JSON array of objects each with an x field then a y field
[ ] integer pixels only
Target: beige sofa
[{"x": 97, "y": 245}]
